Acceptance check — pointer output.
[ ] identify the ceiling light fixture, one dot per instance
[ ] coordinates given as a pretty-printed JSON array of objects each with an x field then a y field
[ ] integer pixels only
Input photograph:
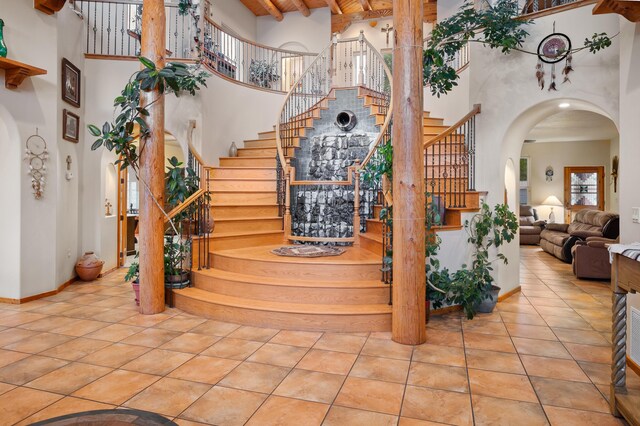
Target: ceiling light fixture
[{"x": 564, "y": 105}]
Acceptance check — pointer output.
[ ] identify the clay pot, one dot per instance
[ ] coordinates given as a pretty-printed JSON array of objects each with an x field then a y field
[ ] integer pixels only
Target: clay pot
[
  {"x": 89, "y": 266},
  {"x": 136, "y": 289}
]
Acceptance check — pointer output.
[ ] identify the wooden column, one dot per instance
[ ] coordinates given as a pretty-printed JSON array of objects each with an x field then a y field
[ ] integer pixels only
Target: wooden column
[
  {"x": 152, "y": 168},
  {"x": 409, "y": 292}
]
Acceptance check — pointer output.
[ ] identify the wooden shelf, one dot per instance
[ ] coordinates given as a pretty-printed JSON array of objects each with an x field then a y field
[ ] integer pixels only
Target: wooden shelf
[
  {"x": 48, "y": 6},
  {"x": 16, "y": 72}
]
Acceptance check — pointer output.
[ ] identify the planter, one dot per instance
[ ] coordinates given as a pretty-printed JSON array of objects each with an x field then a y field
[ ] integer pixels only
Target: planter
[
  {"x": 487, "y": 305},
  {"x": 89, "y": 266},
  {"x": 177, "y": 281},
  {"x": 136, "y": 289}
]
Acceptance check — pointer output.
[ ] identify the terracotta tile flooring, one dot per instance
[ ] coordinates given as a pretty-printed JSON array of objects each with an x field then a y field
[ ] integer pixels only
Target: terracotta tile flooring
[{"x": 541, "y": 358}]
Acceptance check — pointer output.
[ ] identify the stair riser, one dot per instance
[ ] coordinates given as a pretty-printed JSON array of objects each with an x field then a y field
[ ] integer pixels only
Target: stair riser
[
  {"x": 373, "y": 246},
  {"x": 433, "y": 129},
  {"x": 376, "y": 211},
  {"x": 267, "y": 135},
  {"x": 242, "y": 185},
  {"x": 295, "y": 270},
  {"x": 284, "y": 320},
  {"x": 248, "y": 225},
  {"x": 427, "y": 121},
  {"x": 471, "y": 200},
  {"x": 240, "y": 241},
  {"x": 440, "y": 149},
  {"x": 374, "y": 226},
  {"x": 239, "y": 198},
  {"x": 260, "y": 143},
  {"x": 446, "y": 159},
  {"x": 257, "y": 152},
  {"x": 246, "y": 173},
  {"x": 229, "y": 212},
  {"x": 291, "y": 294},
  {"x": 247, "y": 162}
]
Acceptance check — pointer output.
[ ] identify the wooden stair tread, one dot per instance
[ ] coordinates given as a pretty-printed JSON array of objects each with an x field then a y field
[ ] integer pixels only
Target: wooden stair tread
[
  {"x": 285, "y": 282},
  {"x": 292, "y": 308},
  {"x": 247, "y": 157},
  {"x": 244, "y": 167},
  {"x": 243, "y": 179},
  {"x": 372, "y": 236},
  {"x": 243, "y": 205},
  {"x": 239, "y": 234},
  {"x": 352, "y": 256},
  {"x": 232, "y": 219}
]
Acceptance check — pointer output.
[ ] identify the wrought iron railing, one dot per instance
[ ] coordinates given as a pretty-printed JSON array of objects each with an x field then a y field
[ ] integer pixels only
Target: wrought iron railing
[
  {"x": 114, "y": 28},
  {"x": 449, "y": 160},
  {"x": 535, "y": 6},
  {"x": 249, "y": 63},
  {"x": 348, "y": 63}
]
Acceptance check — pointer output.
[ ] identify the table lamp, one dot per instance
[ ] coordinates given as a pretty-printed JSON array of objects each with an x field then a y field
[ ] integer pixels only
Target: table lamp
[{"x": 552, "y": 201}]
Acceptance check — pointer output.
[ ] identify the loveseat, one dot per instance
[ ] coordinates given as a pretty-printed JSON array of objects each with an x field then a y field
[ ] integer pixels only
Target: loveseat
[
  {"x": 591, "y": 258},
  {"x": 558, "y": 238},
  {"x": 530, "y": 227}
]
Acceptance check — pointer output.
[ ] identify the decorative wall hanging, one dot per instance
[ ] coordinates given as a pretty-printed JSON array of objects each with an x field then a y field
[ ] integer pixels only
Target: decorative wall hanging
[
  {"x": 3, "y": 46},
  {"x": 37, "y": 155},
  {"x": 614, "y": 172},
  {"x": 549, "y": 173},
  {"x": 68, "y": 174},
  {"x": 387, "y": 30},
  {"x": 70, "y": 126},
  {"x": 70, "y": 83},
  {"x": 552, "y": 49}
]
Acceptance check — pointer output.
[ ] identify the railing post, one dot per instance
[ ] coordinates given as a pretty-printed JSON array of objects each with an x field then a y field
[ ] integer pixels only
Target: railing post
[
  {"x": 356, "y": 204},
  {"x": 287, "y": 200}
]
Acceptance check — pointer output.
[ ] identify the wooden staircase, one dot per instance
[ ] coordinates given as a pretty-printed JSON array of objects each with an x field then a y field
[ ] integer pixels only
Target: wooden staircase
[{"x": 247, "y": 284}]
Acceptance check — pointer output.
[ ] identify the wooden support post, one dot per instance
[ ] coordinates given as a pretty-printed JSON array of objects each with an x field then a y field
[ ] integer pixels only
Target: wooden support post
[
  {"x": 356, "y": 204},
  {"x": 272, "y": 9},
  {"x": 287, "y": 200},
  {"x": 302, "y": 7},
  {"x": 409, "y": 281},
  {"x": 152, "y": 168}
]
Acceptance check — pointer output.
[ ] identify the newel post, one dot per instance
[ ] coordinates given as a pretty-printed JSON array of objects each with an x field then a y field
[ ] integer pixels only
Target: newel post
[
  {"x": 152, "y": 168},
  {"x": 409, "y": 280},
  {"x": 287, "y": 200},
  {"x": 356, "y": 203}
]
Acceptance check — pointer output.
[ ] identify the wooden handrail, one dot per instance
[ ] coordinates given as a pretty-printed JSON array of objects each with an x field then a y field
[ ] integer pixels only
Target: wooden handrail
[
  {"x": 476, "y": 110},
  {"x": 182, "y": 206}
]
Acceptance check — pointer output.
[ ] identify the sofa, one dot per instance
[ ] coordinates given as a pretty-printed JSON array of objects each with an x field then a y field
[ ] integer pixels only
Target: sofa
[
  {"x": 558, "y": 238},
  {"x": 530, "y": 227},
  {"x": 591, "y": 258}
]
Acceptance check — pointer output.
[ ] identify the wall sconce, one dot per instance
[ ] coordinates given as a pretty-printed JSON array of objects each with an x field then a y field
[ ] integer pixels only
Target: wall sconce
[{"x": 69, "y": 174}]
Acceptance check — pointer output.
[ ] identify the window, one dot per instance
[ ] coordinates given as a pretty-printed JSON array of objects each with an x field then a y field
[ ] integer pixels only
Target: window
[{"x": 525, "y": 176}]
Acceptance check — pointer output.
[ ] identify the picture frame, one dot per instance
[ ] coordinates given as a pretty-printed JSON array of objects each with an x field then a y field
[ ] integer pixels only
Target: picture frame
[
  {"x": 70, "y": 126},
  {"x": 70, "y": 83}
]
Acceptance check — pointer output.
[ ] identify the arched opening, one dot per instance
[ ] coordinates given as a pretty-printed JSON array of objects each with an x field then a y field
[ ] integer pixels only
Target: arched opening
[
  {"x": 530, "y": 137},
  {"x": 11, "y": 176}
]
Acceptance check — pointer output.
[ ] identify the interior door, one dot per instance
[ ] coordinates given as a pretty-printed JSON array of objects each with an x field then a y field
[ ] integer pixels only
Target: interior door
[
  {"x": 583, "y": 189},
  {"x": 122, "y": 216}
]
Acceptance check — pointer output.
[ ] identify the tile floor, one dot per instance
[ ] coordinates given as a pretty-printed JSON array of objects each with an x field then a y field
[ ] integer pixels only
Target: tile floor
[{"x": 542, "y": 358}]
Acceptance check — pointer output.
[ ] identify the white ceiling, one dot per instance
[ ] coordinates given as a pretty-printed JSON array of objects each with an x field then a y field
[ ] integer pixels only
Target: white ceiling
[{"x": 572, "y": 126}]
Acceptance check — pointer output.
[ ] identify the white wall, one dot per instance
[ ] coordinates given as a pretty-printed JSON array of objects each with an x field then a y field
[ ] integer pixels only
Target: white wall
[
  {"x": 235, "y": 16},
  {"x": 560, "y": 155},
  {"x": 312, "y": 33}
]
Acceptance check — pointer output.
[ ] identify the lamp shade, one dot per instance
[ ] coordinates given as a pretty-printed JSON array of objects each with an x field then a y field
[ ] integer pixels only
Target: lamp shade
[{"x": 552, "y": 200}]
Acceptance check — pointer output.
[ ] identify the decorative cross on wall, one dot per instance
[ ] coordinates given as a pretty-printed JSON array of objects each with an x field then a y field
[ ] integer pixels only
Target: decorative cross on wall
[
  {"x": 107, "y": 206},
  {"x": 387, "y": 30}
]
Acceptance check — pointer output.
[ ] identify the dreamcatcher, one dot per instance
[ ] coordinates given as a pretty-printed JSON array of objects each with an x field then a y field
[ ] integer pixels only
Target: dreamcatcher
[{"x": 552, "y": 49}]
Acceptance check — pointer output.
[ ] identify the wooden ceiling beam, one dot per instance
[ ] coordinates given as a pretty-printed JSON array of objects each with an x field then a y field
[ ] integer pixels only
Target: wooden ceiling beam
[
  {"x": 334, "y": 6},
  {"x": 629, "y": 9},
  {"x": 366, "y": 6},
  {"x": 301, "y": 6},
  {"x": 272, "y": 9},
  {"x": 339, "y": 23}
]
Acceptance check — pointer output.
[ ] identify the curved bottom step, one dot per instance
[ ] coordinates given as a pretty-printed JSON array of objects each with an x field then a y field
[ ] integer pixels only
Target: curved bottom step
[{"x": 286, "y": 316}]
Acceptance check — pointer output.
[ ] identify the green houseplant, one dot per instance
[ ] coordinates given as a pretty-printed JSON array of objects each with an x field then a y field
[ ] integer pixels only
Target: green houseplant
[{"x": 472, "y": 287}]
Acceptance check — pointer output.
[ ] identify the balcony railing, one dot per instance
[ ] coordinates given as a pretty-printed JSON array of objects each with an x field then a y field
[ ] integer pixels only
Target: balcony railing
[
  {"x": 536, "y": 6},
  {"x": 114, "y": 29}
]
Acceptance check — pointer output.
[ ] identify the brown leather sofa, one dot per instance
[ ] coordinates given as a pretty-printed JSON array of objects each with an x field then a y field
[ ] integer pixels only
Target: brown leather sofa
[
  {"x": 558, "y": 238},
  {"x": 591, "y": 258},
  {"x": 530, "y": 227}
]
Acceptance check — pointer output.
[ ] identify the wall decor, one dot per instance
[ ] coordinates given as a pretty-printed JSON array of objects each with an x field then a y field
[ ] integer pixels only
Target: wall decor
[
  {"x": 68, "y": 174},
  {"x": 614, "y": 172},
  {"x": 70, "y": 126},
  {"x": 552, "y": 49},
  {"x": 387, "y": 30},
  {"x": 70, "y": 83},
  {"x": 549, "y": 173},
  {"x": 3, "y": 46},
  {"x": 37, "y": 155}
]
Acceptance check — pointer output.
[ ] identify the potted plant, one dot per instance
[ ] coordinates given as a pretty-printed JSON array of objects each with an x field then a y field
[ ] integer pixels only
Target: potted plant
[
  {"x": 472, "y": 287},
  {"x": 176, "y": 251},
  {"x": 133, "y": 275}
]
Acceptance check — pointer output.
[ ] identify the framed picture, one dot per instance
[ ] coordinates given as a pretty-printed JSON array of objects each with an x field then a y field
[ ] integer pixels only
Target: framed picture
[
  {"x": 70, "y": 126},
  {"x": 70, "y": 83}
]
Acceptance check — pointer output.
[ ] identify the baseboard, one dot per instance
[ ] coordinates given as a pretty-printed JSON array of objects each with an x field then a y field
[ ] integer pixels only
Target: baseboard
[
  {"x": 104, "y": 274},
  {"x": 509, "y": 293},
  {"x": 633, "y": 366},
  {"x": 39, "y": 296}
]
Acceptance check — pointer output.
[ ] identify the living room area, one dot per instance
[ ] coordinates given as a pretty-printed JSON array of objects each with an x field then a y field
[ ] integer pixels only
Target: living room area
[{"x": 568, "y": 190}]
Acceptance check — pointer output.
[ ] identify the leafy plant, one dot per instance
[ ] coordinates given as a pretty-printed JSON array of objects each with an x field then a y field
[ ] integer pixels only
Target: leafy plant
[
  {"x": 263, "y": 73},
  {"x": 181, "y": 182},
  {"x": 133, "y": 273},
  {"x": 176, "y": 251},
  {"x": 471, "y": 285}
]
